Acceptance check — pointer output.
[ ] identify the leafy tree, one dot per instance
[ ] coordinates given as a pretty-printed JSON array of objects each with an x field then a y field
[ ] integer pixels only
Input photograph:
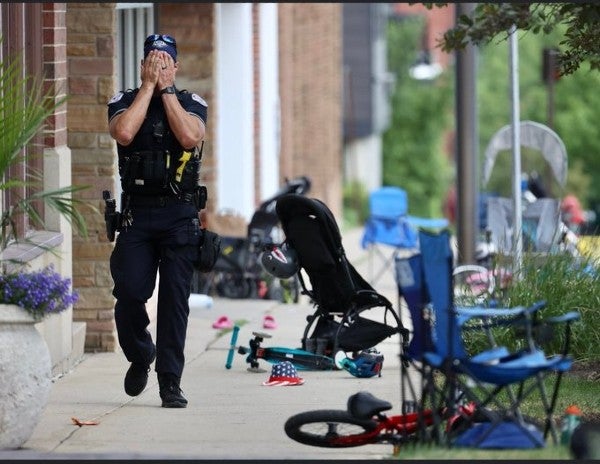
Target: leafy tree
[
  {"x": 581, "y": 42},
  {"x": 576, "y": 108},
  {"x": 574, "y": 30},
  {"x": 413, "y": 151},
  {"x": 415, "y": 134}
]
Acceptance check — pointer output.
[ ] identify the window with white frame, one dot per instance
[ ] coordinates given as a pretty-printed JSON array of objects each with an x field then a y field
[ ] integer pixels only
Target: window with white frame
[
  {"x": 21, "y": 42},
  {"x": 135, "y": 22}
]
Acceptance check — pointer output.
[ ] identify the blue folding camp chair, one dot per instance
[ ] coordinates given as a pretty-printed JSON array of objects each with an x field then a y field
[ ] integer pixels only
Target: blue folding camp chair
[
  {"x": 390, "y": 226},
  {"x": 496, "y": 380}
]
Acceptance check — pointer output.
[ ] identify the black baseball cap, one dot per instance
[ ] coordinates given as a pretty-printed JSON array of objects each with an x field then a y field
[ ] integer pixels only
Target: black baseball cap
[{"x": 162, "y": 42}]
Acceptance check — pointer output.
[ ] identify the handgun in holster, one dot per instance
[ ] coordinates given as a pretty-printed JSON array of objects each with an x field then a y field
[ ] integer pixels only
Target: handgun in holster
[
  {"x": 112, "y": 217},
  {"x": 200, "y": 197}
]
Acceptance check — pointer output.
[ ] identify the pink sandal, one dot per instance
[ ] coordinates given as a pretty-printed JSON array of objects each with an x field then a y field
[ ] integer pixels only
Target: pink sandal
[
  {"x": 222, "y": 323},
  {"x": 269, "y": 322}
]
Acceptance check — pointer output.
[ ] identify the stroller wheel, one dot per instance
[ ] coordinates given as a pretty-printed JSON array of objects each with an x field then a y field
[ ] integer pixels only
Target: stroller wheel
[
  {"x": 233, "y": 286},
  {"x": 203, "y": 283}
]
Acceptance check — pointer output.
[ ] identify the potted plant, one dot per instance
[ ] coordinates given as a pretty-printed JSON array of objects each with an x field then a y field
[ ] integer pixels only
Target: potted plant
[
  {"x": 26, "y": 295},
  {"x": 39, "y": 293}
]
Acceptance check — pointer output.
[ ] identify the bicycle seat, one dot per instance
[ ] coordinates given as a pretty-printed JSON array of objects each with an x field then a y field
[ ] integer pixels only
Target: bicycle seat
[{"x": 364, "y": 405}]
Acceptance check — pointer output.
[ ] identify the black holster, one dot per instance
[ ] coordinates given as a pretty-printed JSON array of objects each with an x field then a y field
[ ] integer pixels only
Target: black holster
[
  {"x": 209, "y": 247},
  {"x": 112, "y": 217},
  {"x": 200, "y": 197}
]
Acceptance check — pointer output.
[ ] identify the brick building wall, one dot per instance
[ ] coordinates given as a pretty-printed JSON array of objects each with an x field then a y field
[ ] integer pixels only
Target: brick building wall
[
  {"x": 92, "y": 81},
  {"x": 91, "y": 71},
  {"x": 311, "y": 114},
  {"x": 55, "y": 69},
  {"x": 311, "y": 97}
]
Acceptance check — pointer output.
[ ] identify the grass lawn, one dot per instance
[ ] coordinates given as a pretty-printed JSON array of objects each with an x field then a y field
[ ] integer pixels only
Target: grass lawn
[
  {"x": 580, "y": 387},
  {"x": 437, "y": 452},
  {"x": 566, "y": 284}
]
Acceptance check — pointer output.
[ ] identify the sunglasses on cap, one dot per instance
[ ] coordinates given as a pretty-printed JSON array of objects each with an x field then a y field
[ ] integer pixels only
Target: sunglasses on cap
[{"x": 164, "y": 37}]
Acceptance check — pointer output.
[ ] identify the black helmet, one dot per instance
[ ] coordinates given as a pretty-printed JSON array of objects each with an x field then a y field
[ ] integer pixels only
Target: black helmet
[{"x": 280, "y": 261}]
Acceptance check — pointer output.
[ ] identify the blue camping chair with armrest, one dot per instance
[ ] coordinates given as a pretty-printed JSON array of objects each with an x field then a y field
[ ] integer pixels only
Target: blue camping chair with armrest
[
  {"x": 496, "y": 380},
  {"x": 420, "y": 391},
  {"x": 390, "y": 225},
  {"x": 518, "y": 374},
  {"x": 425, "y": 395}
]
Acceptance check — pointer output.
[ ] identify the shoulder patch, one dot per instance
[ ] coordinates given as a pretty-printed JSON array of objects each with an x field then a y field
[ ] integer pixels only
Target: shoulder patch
[
  {"x": 199, "y": 99},
  {"x": 115, "y": 98}
]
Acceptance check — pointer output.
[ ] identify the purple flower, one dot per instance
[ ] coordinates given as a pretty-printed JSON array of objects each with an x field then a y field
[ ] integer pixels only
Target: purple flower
[{"x": 40, "y": 293}]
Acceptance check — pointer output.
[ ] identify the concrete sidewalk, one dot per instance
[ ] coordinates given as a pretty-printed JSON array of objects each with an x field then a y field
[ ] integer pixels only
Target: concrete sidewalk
[{"x": 230, "y": 415}]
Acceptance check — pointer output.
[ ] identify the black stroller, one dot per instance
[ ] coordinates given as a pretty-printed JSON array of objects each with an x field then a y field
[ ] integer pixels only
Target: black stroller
[
  {"x": 341, "y": 296},
  {"x": 237, "y": 272}
]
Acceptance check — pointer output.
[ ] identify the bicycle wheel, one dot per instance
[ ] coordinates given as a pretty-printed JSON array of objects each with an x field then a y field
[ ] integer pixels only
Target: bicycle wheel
[
  {"x": 472, "y": 284},
  {"x": 330, "y": 429}
]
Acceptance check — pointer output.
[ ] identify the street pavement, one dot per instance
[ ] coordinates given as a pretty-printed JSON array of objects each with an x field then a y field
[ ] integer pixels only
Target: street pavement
[{"x": 230, "y": 415}]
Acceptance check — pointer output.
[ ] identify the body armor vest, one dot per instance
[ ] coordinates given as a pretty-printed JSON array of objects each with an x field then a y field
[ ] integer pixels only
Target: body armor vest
[{"x": 154, "y": 163}]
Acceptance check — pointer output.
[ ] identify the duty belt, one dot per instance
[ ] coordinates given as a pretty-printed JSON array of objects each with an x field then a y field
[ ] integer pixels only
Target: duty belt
[{"x": 155, "y": 201}]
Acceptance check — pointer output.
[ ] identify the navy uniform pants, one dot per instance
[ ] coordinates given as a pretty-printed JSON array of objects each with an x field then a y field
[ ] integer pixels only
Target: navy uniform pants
[{"x": 162, "y": 239}]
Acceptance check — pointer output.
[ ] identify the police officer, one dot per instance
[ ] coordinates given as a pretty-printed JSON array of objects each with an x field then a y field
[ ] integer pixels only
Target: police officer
[{"x": 158, "y": 129}]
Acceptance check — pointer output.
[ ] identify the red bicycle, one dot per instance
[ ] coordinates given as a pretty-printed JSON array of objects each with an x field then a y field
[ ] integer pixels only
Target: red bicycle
[{"x": 363, "y": 423}]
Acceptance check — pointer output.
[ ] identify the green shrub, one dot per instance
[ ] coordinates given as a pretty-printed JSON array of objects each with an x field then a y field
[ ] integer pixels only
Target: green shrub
[
  {"x": 356, "y": 203},
  {"x": 566, "y": 284}
]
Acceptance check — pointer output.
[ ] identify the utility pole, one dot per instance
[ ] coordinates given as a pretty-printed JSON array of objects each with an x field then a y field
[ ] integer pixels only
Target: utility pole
[
  {"x": 550, "y": 74},
  {"x": 467, "y": 188}
]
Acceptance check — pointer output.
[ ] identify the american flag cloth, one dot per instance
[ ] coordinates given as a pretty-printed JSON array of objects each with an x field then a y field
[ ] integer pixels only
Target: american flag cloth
[{"x": 283, "y": 374}]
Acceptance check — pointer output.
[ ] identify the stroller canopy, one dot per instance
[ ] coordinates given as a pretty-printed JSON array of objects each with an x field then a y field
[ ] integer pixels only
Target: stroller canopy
[
  {"x": 311, "y": 229},
  {"x": 337, "y": 289}
]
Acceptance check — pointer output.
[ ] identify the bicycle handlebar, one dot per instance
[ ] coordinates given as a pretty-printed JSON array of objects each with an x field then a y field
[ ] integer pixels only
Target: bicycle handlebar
[{"x": 298, "y": 185}]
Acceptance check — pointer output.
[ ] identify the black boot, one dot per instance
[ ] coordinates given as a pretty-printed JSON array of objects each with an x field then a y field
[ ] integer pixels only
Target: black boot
[
  {"x": 170, "y": 393},
  {"x": 136, "y": 377}
]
